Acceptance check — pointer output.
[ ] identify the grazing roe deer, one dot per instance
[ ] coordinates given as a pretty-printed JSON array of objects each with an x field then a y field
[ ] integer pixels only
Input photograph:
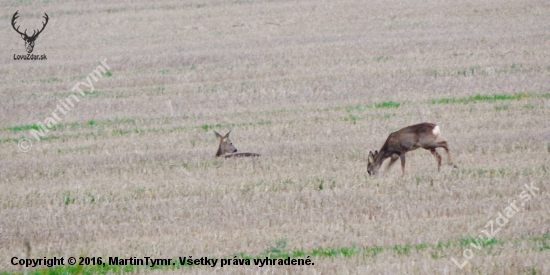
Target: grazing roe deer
[
  {"x": 423, "y": 135},
  {"x": 228, "y": 150}
]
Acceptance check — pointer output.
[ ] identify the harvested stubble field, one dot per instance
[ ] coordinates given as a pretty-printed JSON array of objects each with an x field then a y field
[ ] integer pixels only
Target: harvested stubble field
[{"x": 130, "y": 171}]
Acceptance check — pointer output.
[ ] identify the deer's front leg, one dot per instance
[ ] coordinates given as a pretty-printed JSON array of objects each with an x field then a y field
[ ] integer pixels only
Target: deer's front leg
[
  {"x": 393, "y": 159},
  {"x": 402, "y": 156}
]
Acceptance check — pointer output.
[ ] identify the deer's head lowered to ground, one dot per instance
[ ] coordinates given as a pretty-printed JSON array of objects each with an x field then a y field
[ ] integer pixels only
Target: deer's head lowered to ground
[{"x": 29, "y": 40}]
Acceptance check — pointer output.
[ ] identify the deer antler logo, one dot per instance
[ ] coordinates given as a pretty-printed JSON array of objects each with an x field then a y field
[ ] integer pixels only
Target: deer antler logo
[{"x": 29, "y": 40}]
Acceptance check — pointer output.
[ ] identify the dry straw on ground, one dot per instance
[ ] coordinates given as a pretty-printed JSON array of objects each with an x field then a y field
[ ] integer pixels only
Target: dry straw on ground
[{"x": 310, "y": 85}]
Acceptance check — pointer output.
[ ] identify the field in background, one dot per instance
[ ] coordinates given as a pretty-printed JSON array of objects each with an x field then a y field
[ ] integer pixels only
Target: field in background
[{"x": 312, "y": 86}]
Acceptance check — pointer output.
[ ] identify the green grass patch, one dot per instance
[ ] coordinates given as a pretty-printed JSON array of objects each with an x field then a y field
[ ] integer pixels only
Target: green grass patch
[
  {"x": 501, "y": 108},
  {"x": 207, "y": 127},
  {"x": 501, "y": 172},
  {"x": 50, "y": 80},
  {"x": 352, "y": 118},
  {"x": 402, "y": 249},
  {"x": 100, "y": 124},
  {"x": 381, "y": 58},
  {"x": 75, "y": 124},
  {"x": 469, "y": 71},
  {"x": 79, "y": 269},
  {"x": 22, "y": 128},
  {"x": 357, "y": 108},
  {"x": 94, "y": 93},
  {"x": 114, "y": 10},
  {"x": 362, "y": 107},
  {"x": 8, "y": 140},
  {"x": 67, "y": 199},
  {"x": 542, "y": 242},
  {"x": 466, "y": 241},
  {"x": 480, "y": 97},
  {"x": 189, "y": 165},
  {"x": 387, "y": 104}
]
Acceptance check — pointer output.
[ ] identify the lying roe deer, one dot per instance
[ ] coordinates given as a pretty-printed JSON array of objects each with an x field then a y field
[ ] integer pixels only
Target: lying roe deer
[
  {"x": 423, "y": 135},
  {"x": 228, "y": 150}
]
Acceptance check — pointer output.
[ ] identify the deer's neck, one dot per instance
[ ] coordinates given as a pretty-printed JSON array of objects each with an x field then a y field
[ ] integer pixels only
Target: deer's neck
[
  {"x": 383, "y": 154},
  {"x": 220, "y": 152}
]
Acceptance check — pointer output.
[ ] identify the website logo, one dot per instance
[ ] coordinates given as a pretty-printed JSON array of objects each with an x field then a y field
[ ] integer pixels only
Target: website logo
[{"x": 29, "y": 40}]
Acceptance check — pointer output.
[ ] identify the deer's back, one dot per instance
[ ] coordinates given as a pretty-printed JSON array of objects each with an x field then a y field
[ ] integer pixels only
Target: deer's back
[{"x": 410, "y": 137}]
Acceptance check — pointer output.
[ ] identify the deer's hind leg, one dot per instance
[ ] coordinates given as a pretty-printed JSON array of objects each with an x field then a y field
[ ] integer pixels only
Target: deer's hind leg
[
  {"x": 402, "y": 156},
  {"x": 437, "y": 156},
  {"x": 443, "y": 144}
]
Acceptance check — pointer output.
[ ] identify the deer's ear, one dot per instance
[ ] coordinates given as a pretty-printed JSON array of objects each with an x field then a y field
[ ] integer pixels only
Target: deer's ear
[
  {"x": 227, "y": 135},
  {"x": 371, "y": 157},
  {"x": 376, "y": 152},
  {"x": 218, "y": 135}
]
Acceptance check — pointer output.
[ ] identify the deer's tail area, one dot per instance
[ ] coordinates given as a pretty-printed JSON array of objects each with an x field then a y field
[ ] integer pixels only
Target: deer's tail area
[{"x": 436, "y": 131}]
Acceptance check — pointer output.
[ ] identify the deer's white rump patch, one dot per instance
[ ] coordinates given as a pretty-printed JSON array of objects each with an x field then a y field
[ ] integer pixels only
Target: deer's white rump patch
[{"x": 436, "y": 131}]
